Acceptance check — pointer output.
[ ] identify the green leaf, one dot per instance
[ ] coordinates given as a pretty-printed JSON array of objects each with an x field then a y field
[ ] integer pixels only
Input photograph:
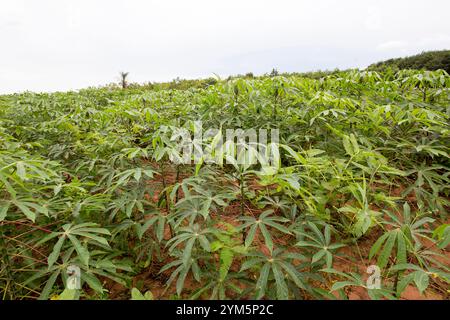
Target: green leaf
[
  {"x": 92, "y": 236},
  {"x": 421, "y": 280},
  {"x": 354, "y": 143},
  {"x": 387, "y": 249},
  {"x": 341, "y": 284},
  {"x": 329, "y": 259},
  {"x": 294, "y": 154},
  {"x": 49, "y": 285},
  {"x": 76, "y": 209},
  {"x": 55, "y": 252},
  {"x": 20, "y": 170},
  {"x": 250, "y": 235},
  {"x": 8, "y": 186},
  {"x": 377, "y": 245},
  {"x": 403, "y": 283},
  {"x": 142, "y": 229},
  {"x": 69, "y": 294},
  {"x": 226, "y": 259},
  {"x": 180, "y": 280},
  {"x": 187, "y": 251},
  {"x": 136, "y": 295},
  {"x": 92, "y": 281},
  {"x": 401, "y": 247},
  {"x": 57, "y": 189},
  {"x": 3, "y": 212},
  {"x": 216, "y": 246},
  {"x": 261, "y": 284},
  {"x": 293, "y": 273},
  {"x": 198, "y": 166},
  {"x": 282, "y": 290},
  {"x": 327, "y": 233},
  {"x": 26, "y": 211},
  {"x": 83, "y": 253},
  {"x": 148, "y": 295},
  {"x": 137, "y": 174},
  {"x": 267, "y": 237},
  {"x": 160, "y": 228},
  {"x": 347, "y": 145},
  {"x": 318, "y": 255},
  {"x": 204, "y": 243}
]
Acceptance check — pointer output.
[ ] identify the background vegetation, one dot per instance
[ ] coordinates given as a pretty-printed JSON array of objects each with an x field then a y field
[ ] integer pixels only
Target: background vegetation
[
  {"x": 86, "y": 179},
  {"x": 430, "y": 60}
]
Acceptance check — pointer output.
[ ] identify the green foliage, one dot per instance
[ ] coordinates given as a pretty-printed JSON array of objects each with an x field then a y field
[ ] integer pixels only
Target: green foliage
[
  {"x": 321, "y": 242},
  {"x": 431, "y": 60},
  {"x": 137, "y": 295},
  {"x": 262, "y": 224},
  {"x": 88, "y": 179}
]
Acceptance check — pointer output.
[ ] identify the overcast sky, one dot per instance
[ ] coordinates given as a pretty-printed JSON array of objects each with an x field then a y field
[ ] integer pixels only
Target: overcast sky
[{"x": 50, "y": 45}]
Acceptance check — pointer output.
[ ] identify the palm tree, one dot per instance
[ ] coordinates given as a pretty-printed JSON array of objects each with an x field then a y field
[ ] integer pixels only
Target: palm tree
[
  {"x": 123, "y": 77},
  {"x": 274, "y": 73}
]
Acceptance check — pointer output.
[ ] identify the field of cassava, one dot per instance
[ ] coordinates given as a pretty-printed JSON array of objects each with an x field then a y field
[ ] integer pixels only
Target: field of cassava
[{"x": 355, "y": 208}]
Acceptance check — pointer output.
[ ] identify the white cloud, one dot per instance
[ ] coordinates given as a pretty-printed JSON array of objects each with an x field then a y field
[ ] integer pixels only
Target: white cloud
[
  {"x": 438, "y": 41},
  {"x": 435, "y": 42},
  {"x": 392, "y": 45},
  {"x": 59, "y": 45},
  {"x": 374, "y": 19}
]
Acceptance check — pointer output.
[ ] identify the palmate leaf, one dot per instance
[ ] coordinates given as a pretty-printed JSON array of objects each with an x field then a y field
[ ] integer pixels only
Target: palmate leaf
[
  {"x": 318, "y": 255},
  {"x": 401, "y": 247},
  {"x": 88, "y": 231},
  {"x": 250, "y": 235},
  {"x": 280, "y": 266},
  {"x": 403, "y": 283},
  {"x": 190, "y": 236},
  {"x": 264, "y": 220},
  {"x": 26, "y": 208},
  {"x": 188, "y": 251},
  {"x": 125, "y": 176},
  {"x": 442, "y": 233},
  {"x": 7, "y": 185},
  {"x": 261, "y": 284},
  {"x": 3, "y": 211},
  {"x": 319, "y": 240},
  {"x": 389, "y": 239},
  {"x": 182, "y": 277},
  {"x": 282, "y": 290},
  {"x": 83, "y": 253},
  {"x": 293, "y": 273},
  {"x": 45, "y": 293},
  {"x": 377, "y": 245},
  {"x": 350, "y": 145},
  {"x": 422, "y": 280},
  {"x": 142, "y": 229},
  {"x": 342, "y": 284},
  {"x": 226, "y": 259},
  {"x": 20, "y": 170},
  {"x": 419, "y": 277},
  {"x": 386, "y": 251},
  {"x": 267, "y": 237},
  {"x": 55, "y": 252}
]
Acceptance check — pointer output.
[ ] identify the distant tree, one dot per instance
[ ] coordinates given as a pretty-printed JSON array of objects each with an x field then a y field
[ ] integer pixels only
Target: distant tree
[
  {"x": 274, "y": 73},
  {"x": 123, "y": 79},
  {"x": 209, "y": 82},
  {"x": 431, "y": 60}
]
